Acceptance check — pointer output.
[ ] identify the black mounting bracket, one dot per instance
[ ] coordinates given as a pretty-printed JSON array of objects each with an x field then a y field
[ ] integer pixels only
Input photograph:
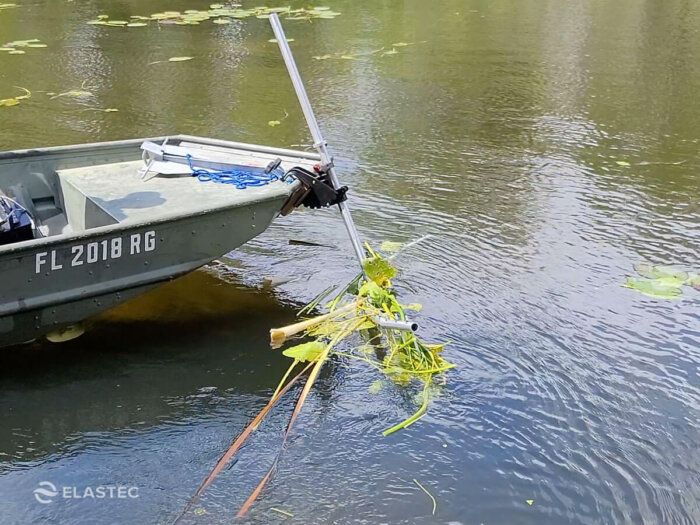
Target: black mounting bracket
[{"x": 316, "y": 190}]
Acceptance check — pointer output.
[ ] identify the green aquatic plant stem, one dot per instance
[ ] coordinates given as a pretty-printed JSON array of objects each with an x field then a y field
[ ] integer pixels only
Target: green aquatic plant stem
[
  {"x": 417, "y": 415},
  {"x": 428, "y": 493},
  {"x": 284, "y": 378}
]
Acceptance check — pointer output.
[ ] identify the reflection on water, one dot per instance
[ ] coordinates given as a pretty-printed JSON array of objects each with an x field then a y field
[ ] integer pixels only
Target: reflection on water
[{"x": 544, "y": 146}]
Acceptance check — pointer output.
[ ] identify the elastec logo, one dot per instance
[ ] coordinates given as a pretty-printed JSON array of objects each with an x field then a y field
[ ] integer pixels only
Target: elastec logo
[{"x": 45, "y": 492}]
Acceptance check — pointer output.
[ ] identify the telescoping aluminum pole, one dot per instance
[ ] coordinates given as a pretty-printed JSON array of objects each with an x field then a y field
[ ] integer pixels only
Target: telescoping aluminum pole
[
  {"x": 322, "y": 149},
  {"x": 319, "y": 143}
]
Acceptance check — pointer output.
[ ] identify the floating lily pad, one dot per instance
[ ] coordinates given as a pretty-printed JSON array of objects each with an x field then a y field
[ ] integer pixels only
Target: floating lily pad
[
  {"x": 14, "y": 101},
  {"x": 666, "y": 274},
  {"x": 375, "y": 387},
  {"x": 12, "y": 47},
  {"x": 654, "y": 288},
  {"x": 220, "y": 14}
]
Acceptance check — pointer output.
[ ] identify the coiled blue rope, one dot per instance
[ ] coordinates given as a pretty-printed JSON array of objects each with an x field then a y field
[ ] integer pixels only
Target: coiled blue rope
[{"x": 240, "y": 179}]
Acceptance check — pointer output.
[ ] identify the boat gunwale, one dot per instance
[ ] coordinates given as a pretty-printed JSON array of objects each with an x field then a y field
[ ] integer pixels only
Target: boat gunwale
[
  {"x": 90, "y": 147},
  {"x": 128, "y": 224}
]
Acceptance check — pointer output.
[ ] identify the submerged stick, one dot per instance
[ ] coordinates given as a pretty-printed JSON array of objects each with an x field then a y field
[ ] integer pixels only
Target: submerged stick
[
  {"x": 302, "y": 397},
  {"x": 297, "y": 409},
  {"x": 238, "y": 442}
]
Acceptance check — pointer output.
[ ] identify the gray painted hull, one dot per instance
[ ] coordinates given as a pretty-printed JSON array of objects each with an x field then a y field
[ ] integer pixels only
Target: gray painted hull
[
  {"x": 33, "y": 304},
  {"x": 49, "y": 283}
]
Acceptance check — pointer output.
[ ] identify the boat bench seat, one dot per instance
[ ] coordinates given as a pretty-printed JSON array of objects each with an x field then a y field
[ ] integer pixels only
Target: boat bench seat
[{"x": 49, "y": 218}]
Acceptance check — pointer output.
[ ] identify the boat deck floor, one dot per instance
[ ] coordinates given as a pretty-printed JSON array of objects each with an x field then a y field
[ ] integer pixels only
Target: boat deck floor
[{"x": 98, "y": 195}]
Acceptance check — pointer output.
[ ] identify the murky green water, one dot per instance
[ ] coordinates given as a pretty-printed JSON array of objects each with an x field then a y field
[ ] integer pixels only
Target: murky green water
[{"x": 545, "y": 146}]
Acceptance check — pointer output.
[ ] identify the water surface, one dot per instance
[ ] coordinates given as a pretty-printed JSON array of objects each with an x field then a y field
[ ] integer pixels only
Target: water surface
[{"x": 545, "y": 147}]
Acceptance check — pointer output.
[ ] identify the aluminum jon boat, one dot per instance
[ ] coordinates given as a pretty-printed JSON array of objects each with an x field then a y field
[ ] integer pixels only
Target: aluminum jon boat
[{"x": 84, "y": 230}]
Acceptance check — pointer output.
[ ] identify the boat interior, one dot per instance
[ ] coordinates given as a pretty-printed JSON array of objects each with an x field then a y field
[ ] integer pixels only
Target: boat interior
[{"x": 66, "y": 190}]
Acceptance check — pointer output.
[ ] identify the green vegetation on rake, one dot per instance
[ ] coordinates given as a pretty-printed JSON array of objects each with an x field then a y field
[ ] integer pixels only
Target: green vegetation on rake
[
  {"x": 401, "y": 357},
  {"x": 352, "y": 320}
]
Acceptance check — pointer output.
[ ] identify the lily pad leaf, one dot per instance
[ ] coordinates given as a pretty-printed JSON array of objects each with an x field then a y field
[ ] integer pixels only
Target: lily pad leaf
[
  {"x": 306, "y": 351},
  {"x": 376, "y": 293},
  {"x": 375, "y": 386},
  {"x": 667, "y": 274},
  {"x": 378, "y": 269},
  {"x": 14, "y": 101},
  {"x": 654, "y": 288}
]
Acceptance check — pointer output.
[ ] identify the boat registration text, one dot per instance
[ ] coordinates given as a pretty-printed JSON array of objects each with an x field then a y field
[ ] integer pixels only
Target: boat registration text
[{"x": 97, "y": 251}]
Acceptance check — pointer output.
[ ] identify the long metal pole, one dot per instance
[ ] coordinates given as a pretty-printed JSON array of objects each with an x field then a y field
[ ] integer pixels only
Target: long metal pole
[{"x": 319, "y": 143}]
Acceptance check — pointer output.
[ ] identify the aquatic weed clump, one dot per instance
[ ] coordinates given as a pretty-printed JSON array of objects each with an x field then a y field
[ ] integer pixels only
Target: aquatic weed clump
[
  {"x": 399, "y": 355},
  {"x": 364, "y": 316}
]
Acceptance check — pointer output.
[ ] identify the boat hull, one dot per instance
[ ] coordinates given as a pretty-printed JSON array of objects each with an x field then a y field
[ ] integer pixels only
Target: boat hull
[{"x": 61, "y": 282}]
